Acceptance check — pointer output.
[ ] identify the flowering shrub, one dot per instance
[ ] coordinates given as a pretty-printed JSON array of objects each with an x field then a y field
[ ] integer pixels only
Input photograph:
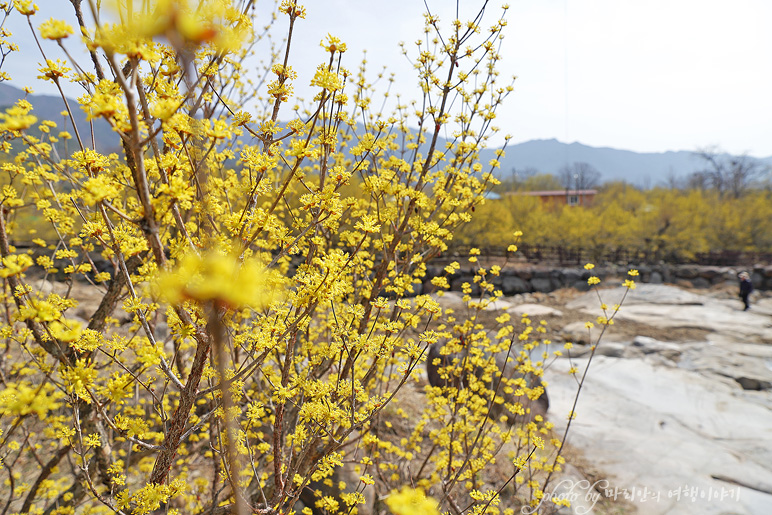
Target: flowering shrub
[{"x": 256, "y": 327}]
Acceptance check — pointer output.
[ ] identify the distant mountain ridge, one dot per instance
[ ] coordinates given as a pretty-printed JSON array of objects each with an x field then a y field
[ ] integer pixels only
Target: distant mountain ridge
[
  {"x": 639, "y": 169},
  {"x": 50, "y": 107},
  {"x": 544, "y": 155}
]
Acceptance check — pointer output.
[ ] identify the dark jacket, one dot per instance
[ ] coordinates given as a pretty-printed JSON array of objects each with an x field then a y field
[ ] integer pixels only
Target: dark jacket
[{"x": 746, "y": 287}]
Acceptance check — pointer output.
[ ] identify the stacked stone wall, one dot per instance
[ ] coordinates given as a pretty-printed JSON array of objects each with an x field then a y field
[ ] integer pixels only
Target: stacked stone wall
[{"x": 513, "y": 281}]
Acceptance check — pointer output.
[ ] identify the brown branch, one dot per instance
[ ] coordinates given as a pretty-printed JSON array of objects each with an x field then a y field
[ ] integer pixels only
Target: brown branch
[
  {"x": 278, "y": 428},
  {"x": 113, "y": 295},
  {"x": 180, "y": 417},
  {"x": 49, "y": 345},
  {"x": 82, "y": 24},
  {"x": 44, "y": 473},
  {"x": 217, "y": 330}
]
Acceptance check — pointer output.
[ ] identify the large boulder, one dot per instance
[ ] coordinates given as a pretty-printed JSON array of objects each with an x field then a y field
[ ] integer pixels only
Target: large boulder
[
  {"x": 512, "y": 284},
  {"x": 535, "y": 310},
  {"x": 542, "y": 284}
]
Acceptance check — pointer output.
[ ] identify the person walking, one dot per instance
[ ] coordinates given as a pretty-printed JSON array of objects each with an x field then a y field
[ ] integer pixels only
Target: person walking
[{"x": 746, "y": 287}]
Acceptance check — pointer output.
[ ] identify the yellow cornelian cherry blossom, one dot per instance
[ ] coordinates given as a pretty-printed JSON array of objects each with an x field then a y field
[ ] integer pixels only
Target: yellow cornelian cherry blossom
[
  {"x": 186, "y": 21},
  {"x": 333, "y": 44},
  {"x": 220, "y": 278},
  {"x": 410, "y": 501},
  {"x": 55, "y": 29},
  {"x": 25, "y": 7}
]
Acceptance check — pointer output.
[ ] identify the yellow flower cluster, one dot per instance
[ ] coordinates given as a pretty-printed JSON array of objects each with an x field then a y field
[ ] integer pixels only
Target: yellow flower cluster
[
  {"x": 17, "y": 117},
  {"x": 25, "y": 7},
  {"x": 411, "y": 501},
  {"x": 55, "y": 29},
  {"x": 25, "y": 398},
  {"x": 219, "y": 277},
  {"x": 326, "y": 79},
  {"x": 79, "y": 379},
  {"x": 185, "y": 21}
]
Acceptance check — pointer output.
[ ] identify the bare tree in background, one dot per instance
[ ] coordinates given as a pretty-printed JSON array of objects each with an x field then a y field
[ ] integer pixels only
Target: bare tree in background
[
  {"x": 694, "y": 181},
  {"x": 579, "y": 176},
  {"x": 517, "y": 178},
  {"x": 729, "y": 175}
]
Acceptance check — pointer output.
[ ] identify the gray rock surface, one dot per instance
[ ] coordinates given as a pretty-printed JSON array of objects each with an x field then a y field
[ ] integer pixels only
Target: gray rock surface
[
  {"x": 668, "y": 306},
  {"x": 512, "y": 284},
  {"x": 534, "y": 310},
  {"x": 542, "y": 284},
  {"x": 681, "y": 427}
]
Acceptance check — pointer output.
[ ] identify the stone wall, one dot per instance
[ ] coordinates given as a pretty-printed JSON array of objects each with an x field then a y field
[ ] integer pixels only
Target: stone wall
[{"x": 542, "y": 279}]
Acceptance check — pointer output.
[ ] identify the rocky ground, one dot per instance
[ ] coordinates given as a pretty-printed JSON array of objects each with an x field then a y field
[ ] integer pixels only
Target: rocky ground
[{"x": 675, "y": 415}]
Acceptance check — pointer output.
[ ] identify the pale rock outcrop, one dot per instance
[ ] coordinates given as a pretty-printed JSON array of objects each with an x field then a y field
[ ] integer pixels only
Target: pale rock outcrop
[{"x": 689, "y": 422}]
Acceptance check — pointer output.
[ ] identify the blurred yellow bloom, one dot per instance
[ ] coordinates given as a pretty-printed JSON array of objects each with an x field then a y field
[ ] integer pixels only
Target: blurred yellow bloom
[
  {"x": 185, "y": 21},
  {"x": 411, "y": 501},
  {"x": 17, "y": 118},
  {"x": 26, "y": 398},
  {"x": 55, "y": 29},
  {"x": 220, "y": 278},
  {"x": 15, "y": 264},
  {"x": 65, "y": 330},
  {"x": 25, "y": 7}
]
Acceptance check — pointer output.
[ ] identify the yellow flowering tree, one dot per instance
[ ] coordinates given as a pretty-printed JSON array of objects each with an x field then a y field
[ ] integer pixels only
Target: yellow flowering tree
[{"x": 253, "y": 269}]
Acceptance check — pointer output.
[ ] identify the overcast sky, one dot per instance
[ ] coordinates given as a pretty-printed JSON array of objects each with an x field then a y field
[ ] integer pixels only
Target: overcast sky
[{"x": 648, "y": 76}]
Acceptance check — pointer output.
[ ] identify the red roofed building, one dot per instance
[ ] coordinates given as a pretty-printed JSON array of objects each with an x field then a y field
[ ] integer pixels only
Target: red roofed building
[{"x": 563, "y": 197}]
